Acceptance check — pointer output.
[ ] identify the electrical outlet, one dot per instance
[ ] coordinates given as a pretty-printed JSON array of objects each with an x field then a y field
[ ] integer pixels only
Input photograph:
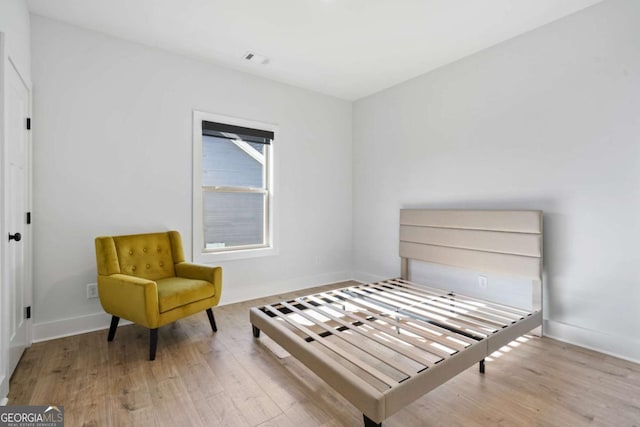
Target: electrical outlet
[
  {"x": 92, "y": 290},
  {"x": 483, "y": 282}
]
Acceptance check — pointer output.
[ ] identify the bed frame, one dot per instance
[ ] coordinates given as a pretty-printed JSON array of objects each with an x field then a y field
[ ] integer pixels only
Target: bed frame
[{"x": 383, "y": 345}]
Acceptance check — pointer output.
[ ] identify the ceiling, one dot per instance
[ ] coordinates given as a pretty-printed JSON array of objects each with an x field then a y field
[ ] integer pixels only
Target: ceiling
[{"x": 344, "y": 48}]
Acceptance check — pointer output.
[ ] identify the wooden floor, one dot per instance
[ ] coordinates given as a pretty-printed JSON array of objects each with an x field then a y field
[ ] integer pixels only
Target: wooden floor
[{"x": 229, "y": 378}]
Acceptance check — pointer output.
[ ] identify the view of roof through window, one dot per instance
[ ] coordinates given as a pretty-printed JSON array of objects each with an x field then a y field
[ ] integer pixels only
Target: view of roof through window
[{"x": 233, "y": 217}]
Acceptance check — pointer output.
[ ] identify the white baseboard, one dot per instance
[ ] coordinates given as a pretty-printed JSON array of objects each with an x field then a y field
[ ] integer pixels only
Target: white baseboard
[
  {"x": 98, "y": 321},
  {"x": 363, "y": 277},
  {"x": 245, "y": 293},
  {"x": 73, "y": 326},
  {"x": 626, "y": 348}
]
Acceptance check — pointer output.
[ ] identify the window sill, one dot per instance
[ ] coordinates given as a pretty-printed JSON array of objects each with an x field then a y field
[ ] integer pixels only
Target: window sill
[{"x": 215, "y": 257}]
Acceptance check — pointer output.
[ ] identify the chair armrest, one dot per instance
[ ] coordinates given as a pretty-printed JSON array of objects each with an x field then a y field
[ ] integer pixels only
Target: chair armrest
[
  {"x": 202, "y": 272},
  {"x": 199, "y": 272},
  {"x": 130, "y": 298}
]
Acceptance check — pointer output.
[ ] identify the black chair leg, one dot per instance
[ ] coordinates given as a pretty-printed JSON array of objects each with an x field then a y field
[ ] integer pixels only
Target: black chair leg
[
  {"x": 153, "y": 343},
  {"x": 112, "y": 328},
  {"x": 212, "y": 320}
]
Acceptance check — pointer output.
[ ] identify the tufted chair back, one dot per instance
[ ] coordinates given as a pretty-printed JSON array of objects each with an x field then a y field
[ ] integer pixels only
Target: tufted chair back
[{"x": 149, "y": 256}]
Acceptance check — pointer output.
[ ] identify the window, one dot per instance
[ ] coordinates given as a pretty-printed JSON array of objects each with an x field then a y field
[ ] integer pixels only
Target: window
[{"x": 233, "y": 195}]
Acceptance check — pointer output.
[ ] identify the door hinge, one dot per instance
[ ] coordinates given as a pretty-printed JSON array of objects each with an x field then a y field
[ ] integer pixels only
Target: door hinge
[
  {"x": 28, "y": 123},
  {"x": 28, "y": 217},
  {"x": 27, "y": 312}
]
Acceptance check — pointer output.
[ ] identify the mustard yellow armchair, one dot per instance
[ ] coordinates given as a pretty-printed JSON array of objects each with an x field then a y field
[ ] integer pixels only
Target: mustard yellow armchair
[{"x": 144, "y": 278}]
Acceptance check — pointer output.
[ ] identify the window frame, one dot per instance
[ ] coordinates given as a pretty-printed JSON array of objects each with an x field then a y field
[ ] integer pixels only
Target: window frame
[{"x": 200, "y": 254}]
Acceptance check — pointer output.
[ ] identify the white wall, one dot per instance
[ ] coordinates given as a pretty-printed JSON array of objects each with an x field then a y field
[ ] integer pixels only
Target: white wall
[
  {"x": 15, "y": 29},
  {"x": 14, "y": 22},
  {"x": 112, "y": 155},
  {"x": 549, "y": 120}
]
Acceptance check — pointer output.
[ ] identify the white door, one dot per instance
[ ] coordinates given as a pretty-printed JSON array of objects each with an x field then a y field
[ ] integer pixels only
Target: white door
[{"x": 17, "y": 152}]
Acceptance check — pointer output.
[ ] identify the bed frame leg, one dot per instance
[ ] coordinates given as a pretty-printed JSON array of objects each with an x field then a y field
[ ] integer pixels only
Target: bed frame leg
[
  {"x": 256, "y": 331},
  {"x": 481, "y": 366},
  {"x": 368, "y": 422}
]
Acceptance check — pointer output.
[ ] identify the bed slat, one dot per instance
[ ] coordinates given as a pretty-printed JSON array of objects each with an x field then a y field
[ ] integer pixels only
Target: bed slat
[
  {"x": 450, "y": 302},
  {"x": 440, "y": 317},
  {"x": 390, "y": 331},
  {"x": 334, "y": 348},
  {"x": 406, "y": 352},
  {"x": 518, "y": 312},
  {"x": 426, "y": 330},
  {"x": 443, "y": 306}
]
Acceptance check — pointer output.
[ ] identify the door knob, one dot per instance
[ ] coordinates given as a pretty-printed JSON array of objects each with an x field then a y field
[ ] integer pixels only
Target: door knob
[{"x": 17, "y": 237}]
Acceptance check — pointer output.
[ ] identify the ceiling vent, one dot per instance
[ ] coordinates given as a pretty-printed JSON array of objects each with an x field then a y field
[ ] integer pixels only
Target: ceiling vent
[{"x": 256, "y": 58}]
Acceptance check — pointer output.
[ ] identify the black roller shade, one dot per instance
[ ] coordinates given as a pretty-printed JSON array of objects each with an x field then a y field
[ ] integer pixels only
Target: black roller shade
[{"x": 222, "y": 130}]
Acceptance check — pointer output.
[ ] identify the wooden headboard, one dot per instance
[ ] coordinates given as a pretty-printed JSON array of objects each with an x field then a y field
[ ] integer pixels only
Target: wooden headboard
[{"x": 507, "y": 243}]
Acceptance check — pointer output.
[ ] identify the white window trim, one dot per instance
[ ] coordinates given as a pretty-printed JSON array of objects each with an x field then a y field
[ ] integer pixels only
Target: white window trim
[{"x": 198, "y": 255}]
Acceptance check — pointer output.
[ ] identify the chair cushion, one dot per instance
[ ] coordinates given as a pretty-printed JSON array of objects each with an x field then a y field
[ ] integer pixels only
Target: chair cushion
[{"x": 176, "y": 291}]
